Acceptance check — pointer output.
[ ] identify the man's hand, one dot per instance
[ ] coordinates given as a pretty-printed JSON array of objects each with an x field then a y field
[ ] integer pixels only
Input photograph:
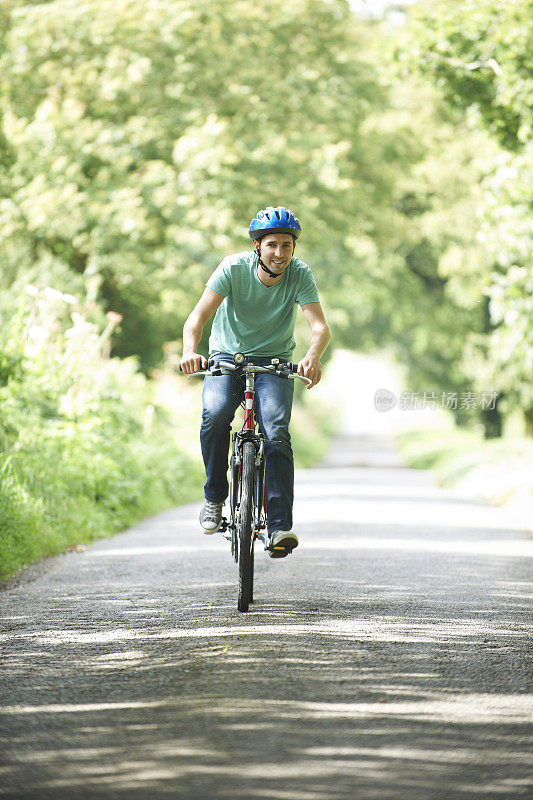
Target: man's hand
[
  {"x": 310, "y": 367},
  {"x": 192, "y": 362}
]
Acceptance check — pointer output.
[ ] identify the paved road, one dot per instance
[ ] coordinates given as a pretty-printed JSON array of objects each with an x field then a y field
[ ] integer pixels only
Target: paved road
[{"x": 387, "y": 658}]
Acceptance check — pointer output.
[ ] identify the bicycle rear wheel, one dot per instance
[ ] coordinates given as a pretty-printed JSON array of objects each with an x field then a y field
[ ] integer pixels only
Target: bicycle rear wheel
[{"x": 246, "y": 517}]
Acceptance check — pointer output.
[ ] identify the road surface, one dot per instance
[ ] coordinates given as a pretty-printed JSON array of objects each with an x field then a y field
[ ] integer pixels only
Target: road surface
[{"x": 386, "y": 658}]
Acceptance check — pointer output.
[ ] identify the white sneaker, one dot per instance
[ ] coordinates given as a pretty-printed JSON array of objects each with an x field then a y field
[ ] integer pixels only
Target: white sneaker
[
  {"x": 211, "y": 517},
  {"x": 282, "y": 543}
]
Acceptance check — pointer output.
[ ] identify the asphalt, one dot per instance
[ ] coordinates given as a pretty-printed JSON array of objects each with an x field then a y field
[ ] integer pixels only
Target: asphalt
[{"x": 386, "y": 658}]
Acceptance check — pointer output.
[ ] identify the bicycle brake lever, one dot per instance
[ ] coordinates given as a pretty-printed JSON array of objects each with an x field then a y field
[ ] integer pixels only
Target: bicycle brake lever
[
  {"x": 301, "y": 377},
  {"x": 196, "y": 374}
]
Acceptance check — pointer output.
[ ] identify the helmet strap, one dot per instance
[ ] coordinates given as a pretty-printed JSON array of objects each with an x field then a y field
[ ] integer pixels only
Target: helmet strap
[{"x": 266, "y": 269}]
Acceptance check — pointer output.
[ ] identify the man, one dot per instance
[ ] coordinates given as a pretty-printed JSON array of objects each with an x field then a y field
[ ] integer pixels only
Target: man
[{"x": 253, "y": 296}]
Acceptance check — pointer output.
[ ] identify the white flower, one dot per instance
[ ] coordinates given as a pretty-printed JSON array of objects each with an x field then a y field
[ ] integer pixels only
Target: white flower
[{"x": 53, "y": 295}]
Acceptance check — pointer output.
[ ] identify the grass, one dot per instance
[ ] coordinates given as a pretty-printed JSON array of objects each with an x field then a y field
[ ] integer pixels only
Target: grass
[
  {"x": 57, "y": 501},
  {"x": 498, "y": 470}
]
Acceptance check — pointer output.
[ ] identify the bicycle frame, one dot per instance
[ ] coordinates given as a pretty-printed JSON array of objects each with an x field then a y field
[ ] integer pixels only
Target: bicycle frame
[{"x": 248, "y": 433}]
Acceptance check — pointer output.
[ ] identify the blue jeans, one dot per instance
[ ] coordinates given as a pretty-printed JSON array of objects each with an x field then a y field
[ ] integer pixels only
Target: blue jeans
[{"x": 273, "y": 405}]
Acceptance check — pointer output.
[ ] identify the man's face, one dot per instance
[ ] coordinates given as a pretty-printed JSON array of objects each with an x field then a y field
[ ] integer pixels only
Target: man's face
[{"x": 276, "y": 251}]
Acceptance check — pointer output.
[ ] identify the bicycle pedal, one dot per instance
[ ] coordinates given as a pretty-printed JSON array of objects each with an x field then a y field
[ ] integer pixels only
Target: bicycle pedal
[{"x": 278, "y": 551}]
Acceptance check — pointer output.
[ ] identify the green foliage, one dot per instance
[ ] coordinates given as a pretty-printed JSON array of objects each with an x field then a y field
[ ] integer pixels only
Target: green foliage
[
  {"x": 409, "y": 299},
  {"x": 506, "y": 235},
  {"x": 141, "y": 138},
  {"x": 78, "y": 459},
  {"x": 147, "y": 135},
  {"x": 479, "y": 53},
  {"x": 477, "y": 56}
]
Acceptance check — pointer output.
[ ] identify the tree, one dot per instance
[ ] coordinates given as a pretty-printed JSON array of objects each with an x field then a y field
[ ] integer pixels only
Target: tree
[
  {"x": 146, "y": 135},
  {"x": 476, "y": 54}
]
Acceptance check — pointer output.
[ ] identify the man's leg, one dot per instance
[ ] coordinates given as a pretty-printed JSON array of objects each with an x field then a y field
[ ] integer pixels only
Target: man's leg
[
  {"x": 273, "y": 408},
  {"x": 221, "y": 397}
]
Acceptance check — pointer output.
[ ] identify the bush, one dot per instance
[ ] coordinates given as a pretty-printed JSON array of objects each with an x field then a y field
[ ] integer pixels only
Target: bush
[{"x": 84, "y": 449}]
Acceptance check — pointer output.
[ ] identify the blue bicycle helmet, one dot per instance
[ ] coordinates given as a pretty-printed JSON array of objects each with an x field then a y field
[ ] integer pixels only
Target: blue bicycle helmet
[{"x": 274, "y": 220}]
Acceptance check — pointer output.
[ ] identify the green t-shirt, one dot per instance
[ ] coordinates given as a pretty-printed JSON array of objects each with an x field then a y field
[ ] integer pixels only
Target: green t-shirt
[{"x": 255, "y": 319}]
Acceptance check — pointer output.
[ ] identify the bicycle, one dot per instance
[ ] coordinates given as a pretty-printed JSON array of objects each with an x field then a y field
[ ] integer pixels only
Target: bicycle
[{"x": 248, "y": 515}]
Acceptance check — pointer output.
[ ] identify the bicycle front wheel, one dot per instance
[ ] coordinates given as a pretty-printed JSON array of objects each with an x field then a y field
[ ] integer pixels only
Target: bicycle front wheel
[{"x": 246, "y": 517}]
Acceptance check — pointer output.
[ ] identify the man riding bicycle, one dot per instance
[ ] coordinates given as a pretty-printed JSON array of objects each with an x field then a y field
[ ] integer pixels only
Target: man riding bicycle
[{"x": 253, "y": 296}]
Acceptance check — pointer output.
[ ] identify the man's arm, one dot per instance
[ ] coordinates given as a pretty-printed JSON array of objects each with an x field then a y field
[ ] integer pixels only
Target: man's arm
[
  {"x": 207, "y": 305},
  {"x": 310, "y": 365}
]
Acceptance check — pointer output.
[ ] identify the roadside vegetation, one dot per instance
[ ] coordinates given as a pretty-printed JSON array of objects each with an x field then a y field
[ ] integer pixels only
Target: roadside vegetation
[
  {"x": 498, "y": 470},
  {"x": 85, "y": 449}
]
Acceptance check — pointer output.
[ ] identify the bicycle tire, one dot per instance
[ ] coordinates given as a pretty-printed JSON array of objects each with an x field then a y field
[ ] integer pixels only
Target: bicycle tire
[
  {"x": 252, "y": 572},
  {"x": 246, "y": 518}
]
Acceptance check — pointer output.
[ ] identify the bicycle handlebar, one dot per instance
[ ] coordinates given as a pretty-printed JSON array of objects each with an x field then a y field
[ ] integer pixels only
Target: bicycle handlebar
[{"x": 282, "y": 369}]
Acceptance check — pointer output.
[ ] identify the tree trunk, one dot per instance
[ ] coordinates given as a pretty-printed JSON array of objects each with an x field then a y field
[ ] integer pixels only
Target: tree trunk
[
  {"x": 528, "y": 414},
  {"x": 492, "y": 421}
]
